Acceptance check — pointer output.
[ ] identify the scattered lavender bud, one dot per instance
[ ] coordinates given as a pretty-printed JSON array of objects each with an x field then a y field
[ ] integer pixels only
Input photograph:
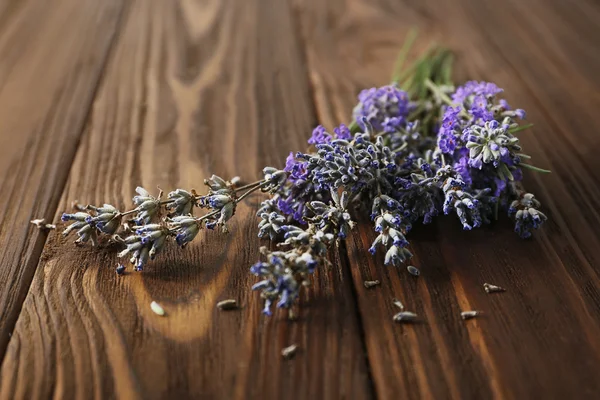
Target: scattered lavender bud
[
  {"x": 39, "y": 223},
  {"x": 398, "y": 304},
  {"x": 120, "y": 269},
  {"x": 229, "y": 304},
  {"x": 413, "y": 270},
  {"x": 492, "y": 288},
  {"x": 469, "y": 314},
  {"x": 157, "y": 309},
  {"x": 405, "y": 316},
  {"x": 289, "y": 352},
  {"x": 370, "y": 284}
]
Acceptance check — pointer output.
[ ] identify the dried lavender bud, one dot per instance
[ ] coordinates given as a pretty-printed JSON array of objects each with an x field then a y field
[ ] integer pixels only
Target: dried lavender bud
[
  {"x": 413, "y": 270},
  {"x": 86, "y": 230},
  {"x": 216, "y": 183},
  {"x": 39, "y": 223},
  {"x": 398, "y": 304},
  {"x": 143, "y": 246},
  {"x": 405, "y": 316},
  {"x": 469, "y": 314},
  {"x": 147, "y": 205},
  {"x": 466, "y": 205},
  {"x": 492, "y": 288},
  {"x": 157, "y": 309},
  {"x": 370, "y": 284},
  {"x": 524, "y": 211},
  {"x": 185, "y": 228},
  {"x": 289, "y": 352},
  {"x": 229, "y": 304},
  {"x": 120, "y": 269},
  {"x": 274, "y": 178},
  {"x": 107, "y": 219},
  {"x": 271, "y": 221},
  {"x": 181, "y": 202}
]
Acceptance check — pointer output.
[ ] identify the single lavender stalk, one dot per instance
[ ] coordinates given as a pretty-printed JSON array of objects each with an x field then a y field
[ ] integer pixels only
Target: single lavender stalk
[{"x": 156, "y": 221}]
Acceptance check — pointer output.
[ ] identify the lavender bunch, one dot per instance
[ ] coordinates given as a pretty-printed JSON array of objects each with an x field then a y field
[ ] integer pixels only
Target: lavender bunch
[{"x": 416, "y": 149}]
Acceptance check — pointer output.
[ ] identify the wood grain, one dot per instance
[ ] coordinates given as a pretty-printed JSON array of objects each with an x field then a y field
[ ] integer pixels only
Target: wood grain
[
  {"x": 550, "y": 315},
  {"x": 45, "y": 96},
  {"x": 194, "y": 88},
  {"x": 98, "y": 97}
]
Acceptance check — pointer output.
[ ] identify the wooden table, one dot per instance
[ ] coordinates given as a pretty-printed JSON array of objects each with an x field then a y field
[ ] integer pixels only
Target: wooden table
[{"x": 97, "y": 97}]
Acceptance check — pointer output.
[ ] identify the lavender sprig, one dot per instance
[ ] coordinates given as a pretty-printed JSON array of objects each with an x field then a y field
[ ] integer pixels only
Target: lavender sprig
[{"x": 157, "y": 221}]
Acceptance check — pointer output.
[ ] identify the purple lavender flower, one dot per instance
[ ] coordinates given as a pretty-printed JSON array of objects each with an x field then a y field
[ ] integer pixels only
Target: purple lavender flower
[
  {"x": 342, "y": 132},
  {"x": 474, "y": 88},
  {"x": 319, "y": 136},
  {"x": 385, "y": 108}
]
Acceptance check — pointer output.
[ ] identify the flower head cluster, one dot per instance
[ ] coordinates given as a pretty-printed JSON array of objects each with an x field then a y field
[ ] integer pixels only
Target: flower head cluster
[
  {"x": 385, "y": 108},
  {"x": 83, "y": 224},
  {"x": 477, "y": 137},
  {"x": 284, "y": 272},
  {"x": 524, "y": 210}
]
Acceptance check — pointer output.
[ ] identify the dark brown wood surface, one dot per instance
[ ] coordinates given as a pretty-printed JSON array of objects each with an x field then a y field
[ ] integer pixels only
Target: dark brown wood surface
[{"x": 98, "y": 97}]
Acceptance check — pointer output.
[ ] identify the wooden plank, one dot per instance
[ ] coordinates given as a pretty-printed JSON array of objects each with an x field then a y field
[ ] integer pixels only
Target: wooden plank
[
  {"x": 52, "y": 56},
  {"x": 539, "y": 339},
  {"x": 194, "y": 88}
]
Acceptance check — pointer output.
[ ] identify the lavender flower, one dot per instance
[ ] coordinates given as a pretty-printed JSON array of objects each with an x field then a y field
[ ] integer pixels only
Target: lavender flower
[
  {"x": 107, "y": 219},
  {"x": 271, "y": 221},
  {"x": 319, "y": 136},
  {"x": 145, "y": 244},
  {"x": 86, "y": 230},
  {"x": 185, "y": 228},
  {"x": 491, "y": 143},
  {"x": 147, "y": 205},
  {"x": 524, "y": 210},
  {"x": 286, "y": 271},
  {"x": 385, "y": 108},
  {"x": 181, "y": 202}
]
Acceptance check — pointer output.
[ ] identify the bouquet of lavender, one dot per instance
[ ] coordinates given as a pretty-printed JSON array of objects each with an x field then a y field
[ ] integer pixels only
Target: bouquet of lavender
[{"x": 416, "y": 149}]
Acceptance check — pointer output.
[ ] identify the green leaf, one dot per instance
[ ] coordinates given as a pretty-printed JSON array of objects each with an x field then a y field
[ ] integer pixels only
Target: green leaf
[
  {"x": 523, "y": 155},
  {"x": 520, "y": 128},
  {"x": 536, "y": 169}
]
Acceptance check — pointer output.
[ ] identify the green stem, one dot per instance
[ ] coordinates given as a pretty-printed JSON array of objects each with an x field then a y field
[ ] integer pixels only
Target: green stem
[
  {"x": 248, "y": 186},
  {"x": 410, "y": 38},
  {"x": 523, "y": 155},
  {"x": 242, "y": 197},
  {"x": 426, "y": 54},
  {"x": 443, "y": 96}
]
